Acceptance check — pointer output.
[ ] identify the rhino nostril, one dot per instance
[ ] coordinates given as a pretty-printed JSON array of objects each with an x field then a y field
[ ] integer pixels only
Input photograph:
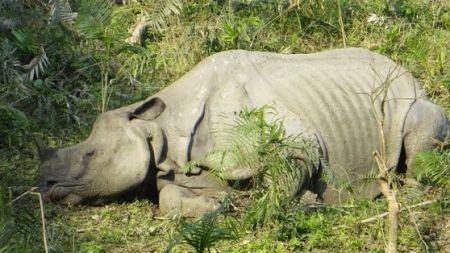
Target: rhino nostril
[{"x": 51, "y": 183}]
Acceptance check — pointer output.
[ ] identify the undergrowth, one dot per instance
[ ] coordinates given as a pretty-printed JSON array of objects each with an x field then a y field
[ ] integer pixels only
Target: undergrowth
[{"x": 261, "y": 150}]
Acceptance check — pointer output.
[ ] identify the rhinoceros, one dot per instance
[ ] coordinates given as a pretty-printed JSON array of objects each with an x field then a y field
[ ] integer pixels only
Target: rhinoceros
[{"x": 347, "y": 102}]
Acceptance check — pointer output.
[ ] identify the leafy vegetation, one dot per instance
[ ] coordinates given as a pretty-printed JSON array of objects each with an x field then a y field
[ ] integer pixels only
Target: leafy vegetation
[
  {"x": 63, "y": 62},
  {"x": 433, "y": 168},
  {"x": 253, "y": 145},
  {"x": 205, "y": 232}
]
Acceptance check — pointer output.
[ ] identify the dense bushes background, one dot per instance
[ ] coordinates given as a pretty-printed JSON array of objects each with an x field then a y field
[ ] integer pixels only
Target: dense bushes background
[{"x": 65, "y": 61}]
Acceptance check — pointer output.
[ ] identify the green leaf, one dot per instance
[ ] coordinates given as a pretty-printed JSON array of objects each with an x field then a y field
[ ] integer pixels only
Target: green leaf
[{"x": 432, "y": 167}]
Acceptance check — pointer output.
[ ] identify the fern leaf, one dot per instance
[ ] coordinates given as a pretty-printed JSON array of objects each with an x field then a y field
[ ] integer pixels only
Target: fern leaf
[
  {"x": 155, "y": 20},
  {"x": 37, "y": 65},
  {"x": 24, "y": 40},
  {"x": 256, "y": 146},
  {"x": 205, "y": 232},
  {"x": 93, "y": 16},
  {"x": 432, "y": 167},
  {"x": 61, "y": 11}
]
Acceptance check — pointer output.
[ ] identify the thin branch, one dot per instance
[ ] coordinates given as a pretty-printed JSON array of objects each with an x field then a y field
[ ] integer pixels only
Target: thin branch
[
  {"x": 41, "y": 205},
  {"x": 384, "y": 179},
  {"x": 425, "y": 203},
  {"x": 384, "y": 182},
  {"x": 382, "y": 215},
  {"x": 32, "y": 189},
  {"x": 44, "y": 233},
  {"x": 414, "y": 220}
]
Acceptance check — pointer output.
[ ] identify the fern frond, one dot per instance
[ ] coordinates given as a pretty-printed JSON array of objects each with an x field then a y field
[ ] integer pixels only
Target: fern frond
[
  {"x": 25, "y": 40},
  {"x": 205, "y": 232},
  {"x": 61, "y": 11},
  {"x": 370, "y": 177},
  {"x": 37, "y": 65},
  {"x": 432, "y": 167},
  {"x": 162, "y": 11},
  {"x": 93, "y": 16},
  {"x": 9, "y": 73},
  {"x": 155, "y": 20},
  {"x": 255, "y": 146}
]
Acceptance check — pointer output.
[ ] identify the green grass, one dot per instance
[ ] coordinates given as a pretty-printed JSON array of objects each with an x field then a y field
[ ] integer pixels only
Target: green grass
[
  {"x": 62, "y": 103},
  {"x": 136, "y": 227}
]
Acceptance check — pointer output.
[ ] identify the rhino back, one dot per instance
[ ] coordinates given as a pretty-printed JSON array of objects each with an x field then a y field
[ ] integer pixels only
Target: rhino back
[
  {"x": 339, "y": 95},
  {"x": 332, "y": 94}
]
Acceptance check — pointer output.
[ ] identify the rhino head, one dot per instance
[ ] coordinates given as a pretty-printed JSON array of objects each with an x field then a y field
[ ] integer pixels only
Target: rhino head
[{"x": 115, "y": 159}]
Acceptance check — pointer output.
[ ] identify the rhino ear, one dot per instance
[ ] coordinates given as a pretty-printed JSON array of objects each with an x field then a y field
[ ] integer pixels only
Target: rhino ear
[
  {"x": 44, "y": 151},
  {"x": 149, "y": 110}
]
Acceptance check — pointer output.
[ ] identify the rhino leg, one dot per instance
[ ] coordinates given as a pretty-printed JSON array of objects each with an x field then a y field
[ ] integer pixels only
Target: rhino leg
[
  {"x": 174, "y": 200},
  {"x": 425, "y": 126}
]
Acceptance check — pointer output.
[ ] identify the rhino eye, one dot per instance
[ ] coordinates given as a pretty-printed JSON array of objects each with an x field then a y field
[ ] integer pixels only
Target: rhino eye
[
  {"x": 90, "y": 154},
  {"x": 87, "y": 157}
]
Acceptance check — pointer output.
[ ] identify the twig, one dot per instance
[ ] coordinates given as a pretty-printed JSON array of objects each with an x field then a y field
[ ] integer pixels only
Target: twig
[
  {"x": 382, "y": 215},
  {"x": 386, "y": 185},
  {"x": 44, "y": 234},
  {"x": 23, "y": 195},
  {"x": 414, "y": 220},
  {"x": 384, "y": 181},
  {"x": 425, "y": 203},
  {"x": 41, "y": 205}
]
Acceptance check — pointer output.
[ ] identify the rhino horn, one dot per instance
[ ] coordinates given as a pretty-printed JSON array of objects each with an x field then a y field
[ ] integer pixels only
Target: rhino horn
[{"x": 43, "y": 150}]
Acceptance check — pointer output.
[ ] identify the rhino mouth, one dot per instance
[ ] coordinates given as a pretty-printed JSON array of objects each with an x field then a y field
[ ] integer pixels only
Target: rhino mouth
[{"x": 63, "y": 192}]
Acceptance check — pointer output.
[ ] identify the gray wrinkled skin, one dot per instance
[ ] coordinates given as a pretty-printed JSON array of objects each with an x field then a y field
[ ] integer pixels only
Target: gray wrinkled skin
[{"x": 328, "y": 98}]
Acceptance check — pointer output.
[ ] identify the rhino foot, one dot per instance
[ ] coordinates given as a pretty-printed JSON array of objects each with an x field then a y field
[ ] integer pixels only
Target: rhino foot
[{"x": 176, "y": 200}]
